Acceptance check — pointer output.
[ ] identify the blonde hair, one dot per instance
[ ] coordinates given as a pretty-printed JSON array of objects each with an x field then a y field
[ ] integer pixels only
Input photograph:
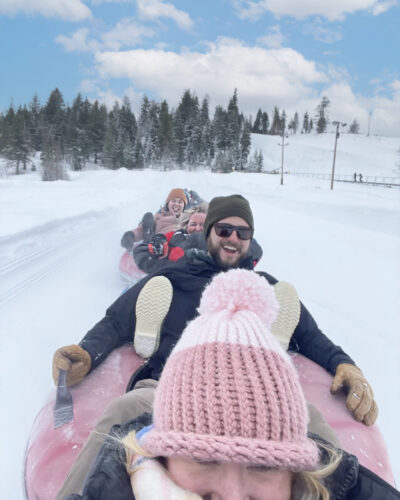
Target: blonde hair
[
  {"x": 309, "y": 485},
  {"x": 306, "y": 485},
  {"x": 186, "y": 214}
]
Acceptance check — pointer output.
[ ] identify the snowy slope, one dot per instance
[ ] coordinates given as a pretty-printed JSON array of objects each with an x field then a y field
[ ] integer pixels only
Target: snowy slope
[
  {"x": 59, "y": 250},
  {"x": 374, "y": 155}
]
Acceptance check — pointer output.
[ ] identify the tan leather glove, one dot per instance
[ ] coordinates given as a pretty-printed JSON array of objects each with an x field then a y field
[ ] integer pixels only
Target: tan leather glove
[
  {"x": 75, "y": 360},
  {"x": 360, "y": 397}
]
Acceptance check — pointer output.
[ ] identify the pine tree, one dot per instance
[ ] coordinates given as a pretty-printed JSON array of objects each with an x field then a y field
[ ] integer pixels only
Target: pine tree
[
  {"x": 276, "y": 123},
  {"x": 111, "y": 155},
  {"x": 265, "y": 123},
  {"x": 127, "y": 132},
  {"x": 164, "y": 139},
  {"x": 52, "y": 158},
  {"x": 97, "y": 129},
  {"x": 35, "y": 123},
  {"x": 22, "y": 143},
  {"x": 282, "y": 123},
  {"x": 258, "y": 123},
  {"x": 354, "y": 127},
  {"x": 16, "y": 146},
  {"x": 187, "y": 131},
  {"x": 306, "y": 124},
  {"x": 206, "y": 148},
  {"x": 233, "y": 132},
  {"x": 245, "y": 143},
  {"x": 73, "y": 138},
  {"x": 54, "y": 117},
  {"x": 322, "y": 115},
  {"x": 256, "y": 162}
]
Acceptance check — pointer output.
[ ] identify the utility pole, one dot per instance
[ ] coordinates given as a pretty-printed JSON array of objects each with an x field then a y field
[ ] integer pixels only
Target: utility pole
[
  {"x": 369, "y": 122},
  {"x": 337, "y": 135},
  {"x": 283, "y": 150}
]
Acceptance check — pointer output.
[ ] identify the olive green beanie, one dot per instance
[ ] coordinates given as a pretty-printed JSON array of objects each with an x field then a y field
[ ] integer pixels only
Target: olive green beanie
[{"x": 227, "y": 206}]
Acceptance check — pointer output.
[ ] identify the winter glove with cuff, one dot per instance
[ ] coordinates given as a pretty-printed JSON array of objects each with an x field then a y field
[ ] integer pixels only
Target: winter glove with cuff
[
  {"x": 360, "y": 397},
  {"x": 158, "y": 246},
  {"x": 73, "y": 359},
  {"x": 127, "y": 240}
]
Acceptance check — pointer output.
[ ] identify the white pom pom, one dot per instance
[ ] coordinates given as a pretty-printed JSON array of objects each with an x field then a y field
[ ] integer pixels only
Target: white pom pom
[{"x": 240, "y": 290}]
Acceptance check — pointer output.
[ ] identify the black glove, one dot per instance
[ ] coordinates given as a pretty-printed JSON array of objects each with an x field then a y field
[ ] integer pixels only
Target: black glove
[
  {"x": 178, "y": 238},
  {"x": 127, "y": 240},
  {"x": 158, "y": 246}
]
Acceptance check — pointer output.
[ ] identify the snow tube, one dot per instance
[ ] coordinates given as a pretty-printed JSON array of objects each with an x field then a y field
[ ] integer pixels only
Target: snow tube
[
  {"x": 51, "y": 452},
  {"x": 128, "y": 269}
]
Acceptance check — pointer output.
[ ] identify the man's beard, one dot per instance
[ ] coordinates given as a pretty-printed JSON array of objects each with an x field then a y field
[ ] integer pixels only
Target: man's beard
[{"x": 214, "y": 252}]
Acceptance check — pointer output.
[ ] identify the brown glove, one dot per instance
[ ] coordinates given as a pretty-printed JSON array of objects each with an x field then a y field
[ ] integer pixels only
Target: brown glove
[
  {"x": 75, "y": 360},
  {"x": 360, "y": 397}
]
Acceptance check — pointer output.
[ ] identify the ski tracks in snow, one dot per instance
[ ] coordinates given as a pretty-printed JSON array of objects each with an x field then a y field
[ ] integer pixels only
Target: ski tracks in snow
[{"x": 30, "y": 257}]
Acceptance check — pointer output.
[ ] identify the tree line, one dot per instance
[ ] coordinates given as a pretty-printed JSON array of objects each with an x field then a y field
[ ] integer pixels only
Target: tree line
[
  {"x": 279, "y": 123},
  {"x": 160, "y": 137},
  {"x": 186, "y": 137}
]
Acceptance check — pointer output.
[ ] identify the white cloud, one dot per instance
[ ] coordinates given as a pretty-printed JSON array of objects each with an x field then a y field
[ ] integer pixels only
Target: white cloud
[
  {"x": 274, "y": 77},
  {"x": 395, "y": 86},
  {"x": 382, "y": 7},
  {"x": 332, "y": 10},
  {"x": 273, "y": 39},
  {"x": 69, "y": 10},
  {"x": 346, "y": 106},
  {"x": 264, "y": 78},
  {"x": 154, "y": 9},
  {"x": 77, "y": 41},
  {"x": 321, "y": 32},
  {"x": 98, "y": 2},
  {"x": 89, "y": 86},
  {"x": 126, "y": 33}
]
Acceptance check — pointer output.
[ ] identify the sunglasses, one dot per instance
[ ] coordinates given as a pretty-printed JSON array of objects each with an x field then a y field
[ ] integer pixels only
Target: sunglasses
[{"x": 225, "y": 230}]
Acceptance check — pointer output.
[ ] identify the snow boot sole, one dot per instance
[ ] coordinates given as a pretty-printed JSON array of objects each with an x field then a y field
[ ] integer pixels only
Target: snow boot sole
[
  {"x": 288, "y": 315},
  {"x": 152, "y": 306},
  {"x": 148, "y": 226}
]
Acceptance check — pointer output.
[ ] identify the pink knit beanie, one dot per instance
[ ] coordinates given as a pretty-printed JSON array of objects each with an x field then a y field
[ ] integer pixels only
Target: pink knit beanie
[{"x": 229, "y": 392}]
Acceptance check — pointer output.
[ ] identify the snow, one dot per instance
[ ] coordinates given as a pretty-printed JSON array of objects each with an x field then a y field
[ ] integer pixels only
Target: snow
[{"x": 59, "y": 253}]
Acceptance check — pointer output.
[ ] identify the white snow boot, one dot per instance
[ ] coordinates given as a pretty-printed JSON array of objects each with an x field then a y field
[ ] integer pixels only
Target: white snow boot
[
  {"x": 152, "y": 306},
  {"x": 288, "y": 315}
]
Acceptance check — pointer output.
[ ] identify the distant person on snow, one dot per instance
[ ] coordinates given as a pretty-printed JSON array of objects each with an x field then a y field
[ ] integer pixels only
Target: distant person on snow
[
  {"x": 172, "y": 295},
  {"x": 165, "y": 220}
]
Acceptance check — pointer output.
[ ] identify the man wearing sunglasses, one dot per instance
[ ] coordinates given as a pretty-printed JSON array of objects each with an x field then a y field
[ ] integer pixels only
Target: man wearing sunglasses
[{"x": 174, "y": 294}]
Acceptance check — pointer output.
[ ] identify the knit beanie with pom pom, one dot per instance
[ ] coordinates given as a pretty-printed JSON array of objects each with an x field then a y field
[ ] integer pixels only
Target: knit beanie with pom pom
[{"x": 229, "y": 392}]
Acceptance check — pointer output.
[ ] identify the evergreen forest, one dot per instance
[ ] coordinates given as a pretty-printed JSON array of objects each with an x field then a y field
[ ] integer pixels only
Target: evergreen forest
[{"x": 185, "y": 137}]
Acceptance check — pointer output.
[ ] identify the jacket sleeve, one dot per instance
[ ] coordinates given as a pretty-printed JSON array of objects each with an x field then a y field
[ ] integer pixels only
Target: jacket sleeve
[
  {"x": 116, "y": 328},
  {"x": 107, "y": 478},
  {"x": 369, "y": 485},
  {"x": 144, "y": 259},
  {"x": 308, "y": 340}
]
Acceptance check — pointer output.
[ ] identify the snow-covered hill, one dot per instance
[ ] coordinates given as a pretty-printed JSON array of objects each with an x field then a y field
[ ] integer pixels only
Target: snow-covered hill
[
  {"x": 373, "y": 155},
  {"x": 59, "y": 250}
]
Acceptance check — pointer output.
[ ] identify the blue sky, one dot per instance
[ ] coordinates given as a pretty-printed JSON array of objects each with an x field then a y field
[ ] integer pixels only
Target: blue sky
[{"x": 287, "y": 53}]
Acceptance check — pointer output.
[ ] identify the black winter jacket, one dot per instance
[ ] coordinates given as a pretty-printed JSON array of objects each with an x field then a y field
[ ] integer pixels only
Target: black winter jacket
[
  {"x": 189, "y": 276},
  {"x": 108, "y": 478}
]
